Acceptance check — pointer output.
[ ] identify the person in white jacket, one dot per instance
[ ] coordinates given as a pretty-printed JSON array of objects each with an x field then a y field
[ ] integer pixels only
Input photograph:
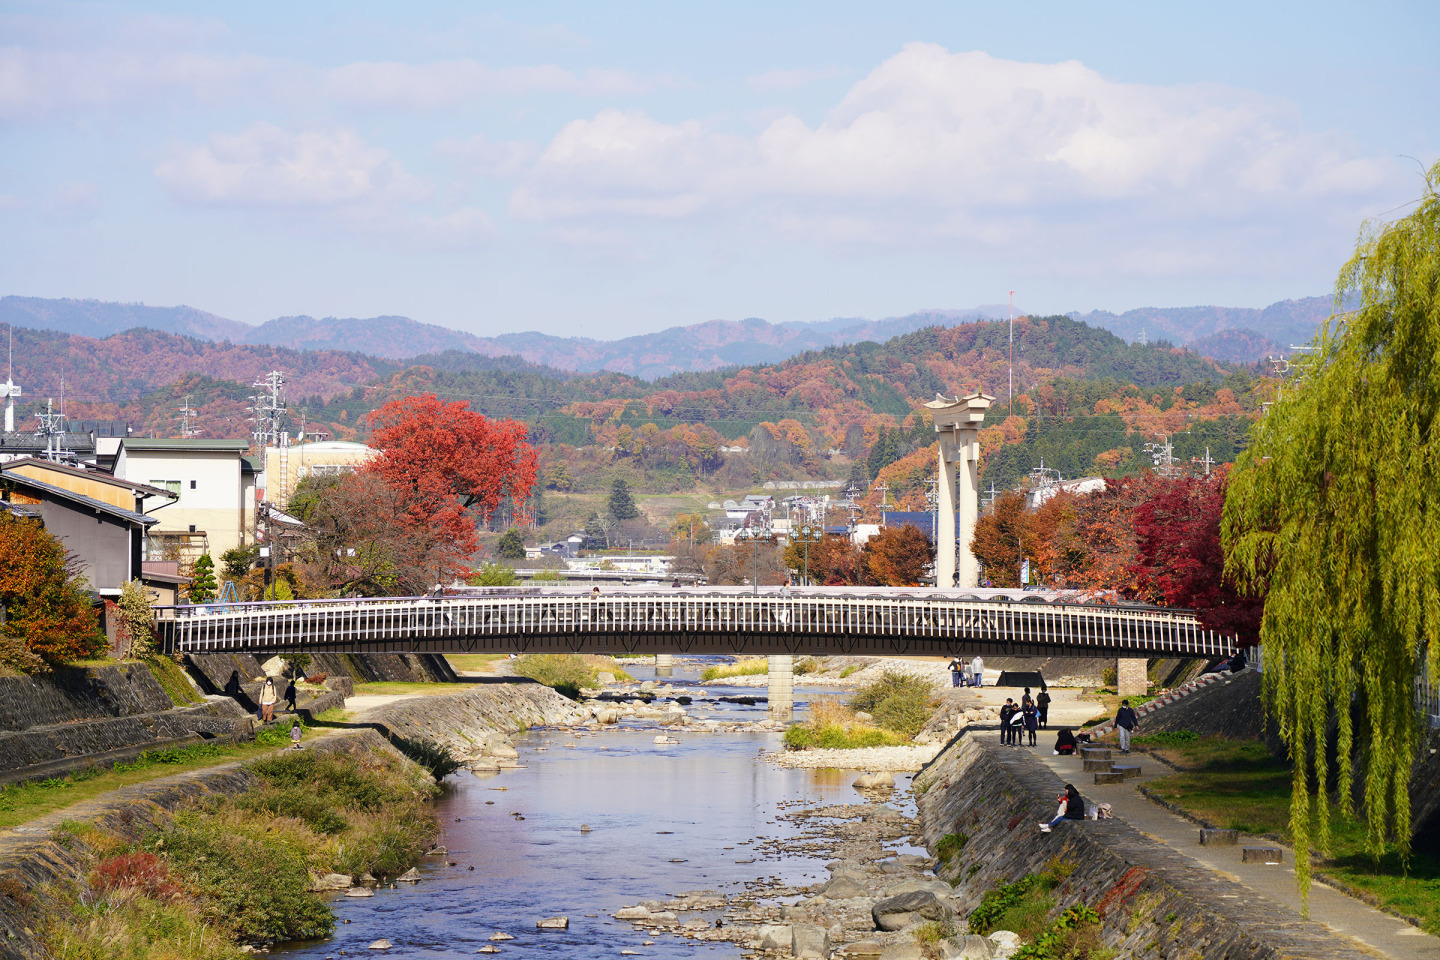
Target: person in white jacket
[{"x": 977, "y": 669}]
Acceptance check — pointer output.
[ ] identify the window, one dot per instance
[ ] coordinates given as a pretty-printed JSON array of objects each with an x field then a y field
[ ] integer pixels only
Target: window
[
  {"x": 192, "y": 484},
  {"x": 173, "y": 486},
  {"x": 192, "y": 528}
]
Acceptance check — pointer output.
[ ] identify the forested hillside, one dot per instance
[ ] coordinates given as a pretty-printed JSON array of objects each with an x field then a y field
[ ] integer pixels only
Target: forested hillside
[{"x": 1086, "y": 402}]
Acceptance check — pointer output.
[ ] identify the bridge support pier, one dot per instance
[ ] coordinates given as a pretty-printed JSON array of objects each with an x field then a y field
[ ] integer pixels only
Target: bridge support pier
[
  {"x": 664, "y": 664},
  {"x": 1132, "y": 677},
  {"x": 782, "y": 687},
  {"x": 958, "y": 424}
]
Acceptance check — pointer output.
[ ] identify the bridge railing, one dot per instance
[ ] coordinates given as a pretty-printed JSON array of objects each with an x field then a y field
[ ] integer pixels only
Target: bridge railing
[{"x": 338, "y": 623}]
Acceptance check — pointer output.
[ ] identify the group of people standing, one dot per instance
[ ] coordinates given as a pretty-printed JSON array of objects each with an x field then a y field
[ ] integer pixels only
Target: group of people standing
[
  {"x": 1028, "y": 716},
  {"x": 962, "y": 675}
]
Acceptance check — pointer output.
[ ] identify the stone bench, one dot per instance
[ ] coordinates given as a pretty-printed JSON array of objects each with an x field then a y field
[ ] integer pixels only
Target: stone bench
[
  {"x": 1096, "y": 753},
  {"x": 1260, "y": 854},
  {"x": 1214, "y": 837},
  {"x": 1096, "y": 766},
  {"x": 1129, "y": 770},
  {"x": 1109, "y": 777}
]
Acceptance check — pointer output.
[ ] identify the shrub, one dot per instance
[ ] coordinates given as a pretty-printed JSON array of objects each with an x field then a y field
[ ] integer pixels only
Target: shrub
[
  {"x": 566, "y": 673},
  {"x": 144, "y": 872},
  {"x": 806, "y": 665},
  {"x": 434, "y": 757},
  {"x": 950, "y": 846},
  {"x": 1010, "y": 903},
  {"x": 1170, "y": 738},
  {"x": 751, "y": 667},
  {"x": 897, "y": 701}
]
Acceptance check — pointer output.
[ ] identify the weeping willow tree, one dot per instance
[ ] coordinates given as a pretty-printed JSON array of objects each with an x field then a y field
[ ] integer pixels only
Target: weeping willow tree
[{"x": 1333, "y": 510}]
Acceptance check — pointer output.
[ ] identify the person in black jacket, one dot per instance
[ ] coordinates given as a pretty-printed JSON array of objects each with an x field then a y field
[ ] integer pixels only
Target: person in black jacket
[
  {"x": 1042, "y": 704},
  {"x": 1125, "y": 724},
  {"x": 1007, "y": 713},
  {"x": 1065, "y": 743}
]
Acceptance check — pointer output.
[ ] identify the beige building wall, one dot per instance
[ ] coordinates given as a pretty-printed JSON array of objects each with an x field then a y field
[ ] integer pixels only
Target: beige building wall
[
  {"x": 209, "y": 477},
  {"x": 286, "y": 467}
]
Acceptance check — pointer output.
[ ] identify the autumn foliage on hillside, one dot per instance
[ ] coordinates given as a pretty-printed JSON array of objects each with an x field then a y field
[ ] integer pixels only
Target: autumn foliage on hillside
[{"x": 48, "y": 617}]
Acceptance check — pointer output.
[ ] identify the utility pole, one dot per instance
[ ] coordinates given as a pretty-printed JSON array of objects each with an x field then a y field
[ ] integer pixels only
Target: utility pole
[
  {"x": 990, "y": 500},
  {"x": 184, "y": 417},
  {"x": 268, "y": 411},
  {"x": 10, "y": 390},
  {"x": 1162, "y": 455},
  {"x": 1144, "y": 340},
  {"x": 1207, "y": 461},
  {"x": 884, "y": 500},
  {"x": 52, "y": 423}
]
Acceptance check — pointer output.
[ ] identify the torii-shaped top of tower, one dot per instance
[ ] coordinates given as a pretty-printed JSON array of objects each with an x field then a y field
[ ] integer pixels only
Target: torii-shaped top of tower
[{"x": 966, "y": 412}]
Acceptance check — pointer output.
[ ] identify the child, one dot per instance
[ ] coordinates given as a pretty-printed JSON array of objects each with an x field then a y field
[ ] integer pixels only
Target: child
[{"x": 295, "y": 735}]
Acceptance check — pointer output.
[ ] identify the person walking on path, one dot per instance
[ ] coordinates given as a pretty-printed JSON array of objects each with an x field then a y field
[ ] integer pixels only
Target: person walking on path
[
  {"x": 295, "y": 734},
  {"x": 1007, "y": 713},
  {"x": 956, "y": 669},
  {"x": 1125, "y": 724},
  {"x": 1031, "y": 718},
  {"x": 267, "y": 700},
  {"x": 290, "y": 694},
  {"x": 1042, "y": 706},
  {"x": 977, "y": 668}
]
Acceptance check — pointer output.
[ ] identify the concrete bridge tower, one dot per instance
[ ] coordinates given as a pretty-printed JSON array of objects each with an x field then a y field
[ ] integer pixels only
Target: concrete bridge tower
[{"x": 958, "y": 423}]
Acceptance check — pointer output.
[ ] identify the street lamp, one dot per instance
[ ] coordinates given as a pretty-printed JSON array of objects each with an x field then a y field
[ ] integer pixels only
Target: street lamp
[{"x": 809, "y": 535}]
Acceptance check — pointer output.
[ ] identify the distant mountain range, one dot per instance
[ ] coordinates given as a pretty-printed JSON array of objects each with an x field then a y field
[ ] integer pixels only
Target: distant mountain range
[{"x": 1233, "y": 334}]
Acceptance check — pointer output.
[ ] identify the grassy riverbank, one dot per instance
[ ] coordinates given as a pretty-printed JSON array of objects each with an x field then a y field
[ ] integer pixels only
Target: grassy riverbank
[
  {"x": 23, "y": 802},
  {"x": 567, "y": 673},
  {"x": 237, "y": 870},
  {"x": 1239, "y": 785},
  {"x": 889, "y": 710}
]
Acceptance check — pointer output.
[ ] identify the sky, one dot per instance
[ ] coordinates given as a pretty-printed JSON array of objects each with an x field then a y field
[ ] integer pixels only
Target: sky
[{"x": 611, "y": 169}]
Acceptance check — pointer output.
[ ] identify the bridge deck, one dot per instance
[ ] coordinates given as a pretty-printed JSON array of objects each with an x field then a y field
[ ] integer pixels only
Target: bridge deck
[{"x": 823, "y": 623}]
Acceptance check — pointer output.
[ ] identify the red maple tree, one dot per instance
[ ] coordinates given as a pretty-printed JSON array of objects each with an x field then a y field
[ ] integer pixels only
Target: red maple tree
[
  {"x": 1181, "y": 561},
  {"x": 897, "y": 557},
  {"x": 457, "y": 465},
  {"x": 48, "y": 618}
]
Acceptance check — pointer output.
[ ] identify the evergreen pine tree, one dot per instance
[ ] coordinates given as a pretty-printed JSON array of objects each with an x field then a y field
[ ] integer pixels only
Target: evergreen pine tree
[
  {"x": 202, "y": 583},
  {"x": 622, "y": 506}
]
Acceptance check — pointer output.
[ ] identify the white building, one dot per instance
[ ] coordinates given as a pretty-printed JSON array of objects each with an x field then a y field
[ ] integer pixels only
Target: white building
[{"x": 214, "y": 485}]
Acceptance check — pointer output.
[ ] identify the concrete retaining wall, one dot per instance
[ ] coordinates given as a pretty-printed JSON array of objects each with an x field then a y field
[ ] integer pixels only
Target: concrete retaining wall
[
  {"x": 1154, "y": 901},
  {"x": 79, "y": 693},
  {"x": 461, "y": 721}
]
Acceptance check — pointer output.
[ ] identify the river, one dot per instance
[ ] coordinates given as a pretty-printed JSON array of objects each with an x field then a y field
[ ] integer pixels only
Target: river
[{"x": 664, "y": 819}]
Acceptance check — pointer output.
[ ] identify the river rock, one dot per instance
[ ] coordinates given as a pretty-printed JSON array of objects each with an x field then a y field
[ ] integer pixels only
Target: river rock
[
  {"x": 553, "y": 923},
  {"x": 874, "y": 781},
  {"x": 586, "y": 828},
  {"x": 501, "y": 751},
  {"x": 359, "y": 892},
  {"x": 409, "y": 876},
  {"x": 500, "y": 935},
  {"x": 488, "y": 948},
  {"x": 862, "y": 949},
  {"x": 844, "y": 886},
  {"x": 902, "y": 950},
  {"x": 862, "y": 717},
  {"x": 1005, "y": 944},
  {"x": 608, "y": 715},
  {"x": 672, "y": 717},
  {"x": 975, "y": 947},
  {"x": 381, "y": 944},
  {"x": 940, "y": 888},
  {"x": 332, "y": 881},
  {"x": 368, "y": 877},
  {"x": 632, "y": 913},
  {"x": 648, "y": 686},
  {"x": 774, "y": 936},
  {"x": 808, "y": 940},
  {"x": 438, "y": 851},
  {"x": 896, "y": 913},
  {"x": 604, "y": 679}
]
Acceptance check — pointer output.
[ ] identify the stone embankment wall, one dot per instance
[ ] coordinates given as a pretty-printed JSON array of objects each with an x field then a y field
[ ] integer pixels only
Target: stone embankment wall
[
  {"x": 1154, "y": 901},
  {"x": 479, "y": 722},
  {"x": 32, "y": 858},
  {"x": 57, "y": 723},
  {"x": 217, "y": 672}
]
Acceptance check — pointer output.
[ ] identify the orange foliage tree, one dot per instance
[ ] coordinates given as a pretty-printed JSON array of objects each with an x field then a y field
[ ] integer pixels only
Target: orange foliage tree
[
  {"x": 455, "y": 463},
  {"x": 897, "y": 557},
  {"x": 48, "y": 617}
]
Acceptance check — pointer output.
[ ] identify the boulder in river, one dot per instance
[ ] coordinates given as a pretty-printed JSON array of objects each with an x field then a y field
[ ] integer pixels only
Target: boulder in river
[
  {"x": 332, "y": 881},
  {"x": 381, "y": 944},
  {"x": 359, "y": 892},
  {"x": 604, "y": 679},
  {"x": 501, "y": 935},
  {"x": 774, "y": 936},
  {"x": 844, "y": 886},
  {"x": 940, "y": 888},
  {"x": 632, "y": 913},
  {"x": 975, "y": 947},
  {"x": 1006, "y": 943},
  {"x": 861, "y": 950},
  {"x": 874, "y": 781},
  {"x": 809, "y": 940},
  {"x": 553, "y": 923},
  {"x": 409, "y": 876},
  {"x": 898, "y": 912}
]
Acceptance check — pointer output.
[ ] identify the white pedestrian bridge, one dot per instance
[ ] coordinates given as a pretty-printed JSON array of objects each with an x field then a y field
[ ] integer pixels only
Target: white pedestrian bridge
[{"x": 817, "y": 621}]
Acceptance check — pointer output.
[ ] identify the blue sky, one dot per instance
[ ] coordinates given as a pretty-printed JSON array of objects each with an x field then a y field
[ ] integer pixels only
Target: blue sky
[{"x": 604, "y": 170}]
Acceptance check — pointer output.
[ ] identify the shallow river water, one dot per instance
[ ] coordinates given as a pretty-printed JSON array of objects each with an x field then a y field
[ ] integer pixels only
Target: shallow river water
[{"x": 664, "y": 819}]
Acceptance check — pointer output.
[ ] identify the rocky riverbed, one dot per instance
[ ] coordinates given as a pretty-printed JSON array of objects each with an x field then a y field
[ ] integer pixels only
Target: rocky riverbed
[{"x": 881, "y": 900}]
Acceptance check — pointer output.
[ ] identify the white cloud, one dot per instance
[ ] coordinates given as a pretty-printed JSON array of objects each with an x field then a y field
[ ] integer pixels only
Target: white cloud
[
  {"x": 487, "y": 157},
  {"x": 940, "y": 144},
  {"x": 271, "y": 167},
  {"x": 776, "y": 80},
  {"x": 431, "y": 86}
]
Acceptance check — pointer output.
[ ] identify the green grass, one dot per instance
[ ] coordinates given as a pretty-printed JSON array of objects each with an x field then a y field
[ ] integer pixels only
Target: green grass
[
  {"x": 898, "y": 702},
  {"x": 836, "y": 737},
  {"x": 567, "y": 673},
  {"x": 753, "y": 667},
  {"x": 172, "y": 678},
  {"x": 475, "y": 662},
  {"x": 23, "y": 802},
  {"x": 1238, "y": 785}
]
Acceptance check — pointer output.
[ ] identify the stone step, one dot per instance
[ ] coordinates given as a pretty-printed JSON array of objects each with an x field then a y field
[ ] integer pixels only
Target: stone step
[
  {"x": 1214, "y": 837},
  {"x": 1096, "y": 753},
  {"x": 1110, "y": 777},
  {"x": 1260, "y": 855},
  {"x": 1096, "y": 766},
  {"x": 1129, "y": 770}
]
